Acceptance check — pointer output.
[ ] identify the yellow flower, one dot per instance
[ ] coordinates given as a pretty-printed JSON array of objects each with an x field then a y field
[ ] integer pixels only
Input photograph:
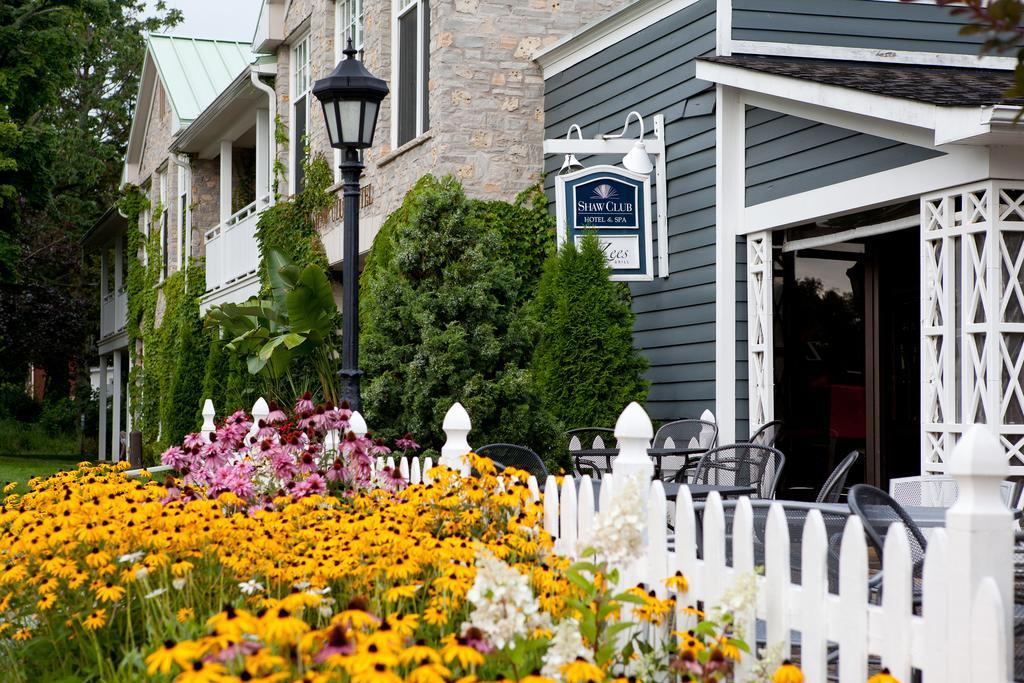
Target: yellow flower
[
  {"x": 677, "y": 583},
  {"x": 22, "y": 634},
  {"x": 181, "y": 568},
  {"x": 883, "y": 677},
  {"x": 398, "y": 592},
  {"x": 282, "y": 628},
  {"x": 109, "y": 593},
  {"x": 429, "y": 673},
  {"x": 582, "y": 671},
  {"x": 454, "y": 650},
  {"x": 788, "y": 673},
  {"x": 184, "y": 614},
  {"x": 161, "y": 661},
  {"x": 435, "y": 617},
  {"x": 203, "y": 672},
  {"x": 96, "y": 620},
  {"x": 46, "y": 603}
]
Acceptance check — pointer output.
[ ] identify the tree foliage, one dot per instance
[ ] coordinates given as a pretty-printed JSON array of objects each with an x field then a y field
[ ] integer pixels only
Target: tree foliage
[
  {"x": 585, "y": 363},
  {"x": 442, "y": 297},
  {"x": 68, "y": 80}
]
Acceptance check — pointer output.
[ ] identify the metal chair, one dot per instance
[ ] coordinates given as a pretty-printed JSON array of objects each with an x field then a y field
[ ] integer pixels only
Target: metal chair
[
  {"x": 833, "y": 486},
  {"x": 519, "y": 457},
  {"x": 691, "y": 433},
  {"x": 931, "y": 490},
  {"x": 768, "y": 434},
  {"x": 590, "y": 438},
  {"x": 742, "y": 464},
  {"x": 877, "y": 511}
]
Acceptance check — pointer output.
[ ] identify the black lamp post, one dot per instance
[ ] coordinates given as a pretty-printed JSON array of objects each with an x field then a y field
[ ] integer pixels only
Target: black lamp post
[{"x": 351, "y": 98}]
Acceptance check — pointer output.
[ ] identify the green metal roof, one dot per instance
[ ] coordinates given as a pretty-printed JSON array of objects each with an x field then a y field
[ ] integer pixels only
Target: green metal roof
[{"x": 195, "y": 70}]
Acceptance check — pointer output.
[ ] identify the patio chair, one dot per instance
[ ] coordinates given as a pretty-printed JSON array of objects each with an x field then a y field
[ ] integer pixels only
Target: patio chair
[
  {"x": 833, "y": 486},
  {"x": 590, "y": 438},
  {"x": 930, "y": 490},
  {"x": 741, "y": 464},
  {"x": 877, "y": 511},
  {"x": 519, "y": 457},
  {"x": 768, "y": 434},
  {"x": 691, "y": 433}
]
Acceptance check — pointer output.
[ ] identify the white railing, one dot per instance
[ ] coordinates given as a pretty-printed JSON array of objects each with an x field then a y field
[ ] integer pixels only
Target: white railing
[
  {"x": 964, "y": 629},
  {"x": 232, "y": 252},
  {"x": 107, "y": 315}
]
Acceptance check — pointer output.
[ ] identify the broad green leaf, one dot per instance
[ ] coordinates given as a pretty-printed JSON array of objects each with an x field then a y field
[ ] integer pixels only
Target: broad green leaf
[
  {"x": 292, "y": 339},
  {"x": 311, "y": 303}
]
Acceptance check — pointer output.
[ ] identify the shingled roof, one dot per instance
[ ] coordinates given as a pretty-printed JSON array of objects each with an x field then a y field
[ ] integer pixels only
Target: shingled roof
[{"x": 940, "y": 85}]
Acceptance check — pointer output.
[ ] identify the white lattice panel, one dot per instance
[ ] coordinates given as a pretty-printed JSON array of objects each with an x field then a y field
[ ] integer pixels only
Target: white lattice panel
[
  {"x": 760, "y": 350},
  {"x": 972, "y": 317}
]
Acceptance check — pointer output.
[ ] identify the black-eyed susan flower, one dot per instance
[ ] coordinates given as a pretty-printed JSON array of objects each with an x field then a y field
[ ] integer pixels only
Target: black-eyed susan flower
[
  {"x": 95, "y": 620},
  {"x": 788, "y": 673},
  {"x": 108, "y": 592},
  {"x": 883, "y": 677},
  {"x": 582, "y": 671}
]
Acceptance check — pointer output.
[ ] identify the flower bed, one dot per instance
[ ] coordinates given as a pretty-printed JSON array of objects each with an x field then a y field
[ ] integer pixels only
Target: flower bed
[{"x": 209, "y": 579}]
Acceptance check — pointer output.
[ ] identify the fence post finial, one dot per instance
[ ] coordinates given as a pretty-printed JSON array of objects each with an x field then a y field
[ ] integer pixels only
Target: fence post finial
[
  {"x": 209, "y": 413},
  {"x": 456, "y": 427},
  {"x": 357, "y": 424},
  {"x": 260, "y": 410},
  {"x": 979, "y": 532},
  {"x": 634, "y": 432}
]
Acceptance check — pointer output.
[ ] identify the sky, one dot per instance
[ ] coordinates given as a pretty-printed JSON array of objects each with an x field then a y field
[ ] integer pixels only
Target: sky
[{"x": 224, "y": 19}]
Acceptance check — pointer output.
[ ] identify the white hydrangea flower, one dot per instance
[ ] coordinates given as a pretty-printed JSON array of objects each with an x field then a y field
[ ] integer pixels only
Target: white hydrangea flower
[
  {"x": 566, "y": 647},
  {"x": 618, "y": 531},
  {"x": 503, "y": 603}
]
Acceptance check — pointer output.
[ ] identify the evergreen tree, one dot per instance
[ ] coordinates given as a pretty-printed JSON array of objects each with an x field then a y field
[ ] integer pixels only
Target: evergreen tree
[
  {"x": 442, "y": 300},
  {"x": 586, "y": 366}
]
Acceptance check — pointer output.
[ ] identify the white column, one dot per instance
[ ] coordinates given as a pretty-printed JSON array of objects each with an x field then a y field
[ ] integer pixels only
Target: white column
[
  {"x": 760, "y": 347},
  {"x": 730, "y": 174},
  {"x": 104, "y": 272},
  {"x": 118, "y": 264},
  {"x": 263, "y": 141},
  {"x": 115, "y": 433},
  {"x": 225, "y": 180},
  {"x": 102, "y": 446}
]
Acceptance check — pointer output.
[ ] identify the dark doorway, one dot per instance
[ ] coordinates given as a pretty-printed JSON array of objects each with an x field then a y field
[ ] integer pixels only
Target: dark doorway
[{"x": 846, "y": 359}]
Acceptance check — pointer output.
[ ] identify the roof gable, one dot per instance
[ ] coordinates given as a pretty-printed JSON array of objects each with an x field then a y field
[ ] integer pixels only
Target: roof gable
[{"x": 194, "y": 71}]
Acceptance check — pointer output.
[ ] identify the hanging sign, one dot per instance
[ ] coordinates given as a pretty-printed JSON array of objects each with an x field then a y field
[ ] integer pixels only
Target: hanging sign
[{"x": 614, "y": 205}]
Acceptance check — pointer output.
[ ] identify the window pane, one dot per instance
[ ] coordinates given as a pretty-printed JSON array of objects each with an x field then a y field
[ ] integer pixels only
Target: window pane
[
  {"x": 350, "y": 111},
  {"x": 369, "y": 120},
  {"x": 425, "y": 76},
  {"x": 300, "y": 143},
  {"x": 407, "y": 77}
]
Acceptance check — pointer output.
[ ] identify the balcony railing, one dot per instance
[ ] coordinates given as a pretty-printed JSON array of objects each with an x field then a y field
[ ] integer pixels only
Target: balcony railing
[
  {"x": 232, "y": 252},
  {"x": 113, "y": 313}
]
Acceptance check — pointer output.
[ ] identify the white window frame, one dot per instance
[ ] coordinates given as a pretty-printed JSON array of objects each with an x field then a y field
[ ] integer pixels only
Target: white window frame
[
  {"x": 164, "y": 246},
  {"x": 184, "y": 215},
  {"x": 346, "y": 21},
  {"x": 295, "y": 81},
  {"x": 400, "y": 8}
]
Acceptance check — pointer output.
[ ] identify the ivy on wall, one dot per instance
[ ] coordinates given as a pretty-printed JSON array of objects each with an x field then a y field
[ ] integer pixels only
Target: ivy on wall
[{"x": 166, "y": 361}]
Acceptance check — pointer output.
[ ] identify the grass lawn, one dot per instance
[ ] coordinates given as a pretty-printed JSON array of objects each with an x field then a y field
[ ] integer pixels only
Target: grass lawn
[{"x": 23, "y": 469}]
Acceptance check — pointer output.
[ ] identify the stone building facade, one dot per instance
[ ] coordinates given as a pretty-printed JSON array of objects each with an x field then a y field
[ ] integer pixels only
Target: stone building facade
[{"x": 484, "y": 94}]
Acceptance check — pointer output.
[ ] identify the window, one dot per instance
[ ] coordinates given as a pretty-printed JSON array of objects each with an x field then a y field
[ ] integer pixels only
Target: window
[
  {"x": 183, "y": 226},
  {"x": 412, "y": 26},
  {"x": 163, "y": 225},
  {"x": 300, "y": 110},
  {"x": 350, "y": 17}
]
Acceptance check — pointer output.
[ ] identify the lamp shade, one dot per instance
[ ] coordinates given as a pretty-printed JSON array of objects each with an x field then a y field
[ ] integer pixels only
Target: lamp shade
[
  {"x": 351, "y": 97},
  {"x": 637, "y": 159}
]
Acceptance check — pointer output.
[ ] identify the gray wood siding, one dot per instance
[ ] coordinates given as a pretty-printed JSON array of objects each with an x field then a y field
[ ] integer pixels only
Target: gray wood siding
[
  {"x": 653, "y": 72},
  {"x": 787, "y": 155},
  {"x": 853, "y": 23}
]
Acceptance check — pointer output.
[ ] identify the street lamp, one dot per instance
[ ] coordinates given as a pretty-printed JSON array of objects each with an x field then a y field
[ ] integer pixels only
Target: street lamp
[{"x": 351, "y": 97}]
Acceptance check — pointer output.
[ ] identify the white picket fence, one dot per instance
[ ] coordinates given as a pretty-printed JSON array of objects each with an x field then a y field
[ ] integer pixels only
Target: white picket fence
[{"x": 964, "y": 631}]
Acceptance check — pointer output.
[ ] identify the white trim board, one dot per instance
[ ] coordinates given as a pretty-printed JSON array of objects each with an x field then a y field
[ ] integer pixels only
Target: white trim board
[
  {"x": 960, "y": 166},
  {"x": 836, "y": 238},
  {"x": 606, "y": 32},
  {"x": 868, "y": 54},
  {"x": 950, "y": 124}
]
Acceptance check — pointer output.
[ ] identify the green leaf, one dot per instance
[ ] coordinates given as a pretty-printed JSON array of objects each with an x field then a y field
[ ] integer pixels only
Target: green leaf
[{"x": 279, "y": 285}]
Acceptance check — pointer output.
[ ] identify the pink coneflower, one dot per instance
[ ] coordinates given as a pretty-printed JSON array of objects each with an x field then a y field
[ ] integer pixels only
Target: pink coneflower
[
  {"x": 305, "y": 404},
  {"x": 306, "y": 462},
  {"x": 337, "y": 472},
  {"x": 276, "y": 414},
  {"x": 406, "y": 443},
  {"x": 175, "y": 457},
  {"x": 337, "y": 644},
  {"x": 392, "y": 479},
  {"x": 476, "y": 639},
  {"x": 311, "y": 485},
  {"x": 194, "y": 440},
  {"x": 378, "y": 448}
]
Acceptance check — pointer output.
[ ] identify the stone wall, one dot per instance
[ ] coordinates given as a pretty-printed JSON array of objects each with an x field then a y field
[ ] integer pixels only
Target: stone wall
[
  {"x": 205, "y": 201},
  {"x": 485, "y": 96}
]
